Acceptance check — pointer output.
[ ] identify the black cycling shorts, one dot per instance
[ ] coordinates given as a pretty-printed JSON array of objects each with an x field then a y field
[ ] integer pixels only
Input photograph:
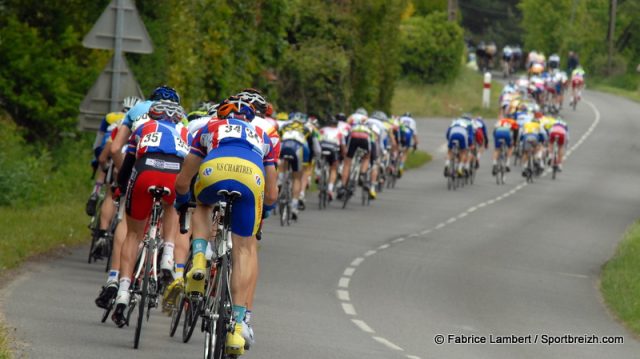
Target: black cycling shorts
[{"x": 355, "y": 143}]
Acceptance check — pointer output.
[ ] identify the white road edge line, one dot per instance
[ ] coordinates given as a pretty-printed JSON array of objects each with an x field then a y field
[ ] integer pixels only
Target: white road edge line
[
  {"x": 348, "y": 272},
  {"x": 348, "y": 308},
  {"x": 344, "y": 282},
  {"x": 362, "y": 325},
  {"x": 343, "y": 295}
]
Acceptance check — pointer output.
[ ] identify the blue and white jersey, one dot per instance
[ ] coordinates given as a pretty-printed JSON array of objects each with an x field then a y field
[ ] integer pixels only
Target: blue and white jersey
[{"x": 134, "y": 113}]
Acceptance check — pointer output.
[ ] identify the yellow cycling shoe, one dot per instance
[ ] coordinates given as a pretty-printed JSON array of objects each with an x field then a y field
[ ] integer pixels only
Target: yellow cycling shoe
[
  {"x": 172, "y": 292},
  {"x": 235, "y": 341},
  {"x": 195, "y": 277},
  {"x": 372, "y": 193}
]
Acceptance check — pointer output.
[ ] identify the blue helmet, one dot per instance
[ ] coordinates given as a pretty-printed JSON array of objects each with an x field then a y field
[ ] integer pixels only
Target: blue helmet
[{"x": 165, "y": 93}]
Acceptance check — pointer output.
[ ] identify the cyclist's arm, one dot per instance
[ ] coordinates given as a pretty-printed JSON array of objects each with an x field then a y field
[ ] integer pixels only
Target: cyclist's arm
[
  {"x": 104, "y": 155},
  {"x": 121, "y": 139},
  {"x": 189, "y": 169},
  {"x": 271, "y": 185}
]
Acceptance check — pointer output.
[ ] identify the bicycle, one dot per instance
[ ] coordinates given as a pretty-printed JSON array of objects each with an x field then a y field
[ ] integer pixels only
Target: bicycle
[
  {"x": 284, "y": 195},
  {"x": 216, "y": 307},
  {"x": 530, "y": 166},
  {"x": 453, "y": 180},
  {"x": 94, "y": 226},
  {"x": 501, "y": 163},
  {"x": 366, "y": 185},
  {"x": 323, "y": 180},
  {"x": 145, "y": 289},
  {"x": 554, "y": 159},
  {"x": 392, "y": 171},
  {"x": 353, "y": 177},
  {"x": 472, "y": 166}
]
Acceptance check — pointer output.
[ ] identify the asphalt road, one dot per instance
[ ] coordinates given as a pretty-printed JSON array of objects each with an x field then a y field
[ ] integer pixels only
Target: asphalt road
[{"x": 383, "y": 281}]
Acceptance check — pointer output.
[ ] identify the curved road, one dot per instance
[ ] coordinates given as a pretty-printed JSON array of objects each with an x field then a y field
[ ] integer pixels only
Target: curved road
[{"x": 383, "y": 281}]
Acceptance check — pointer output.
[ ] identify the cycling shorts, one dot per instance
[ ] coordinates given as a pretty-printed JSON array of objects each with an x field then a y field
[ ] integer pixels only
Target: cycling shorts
[
  {"x": 479, "y": 137},
  {"x": 406, "y": 139},
  {"x": 557, "y": 134},
  {"x": 461, "y": 138},
  {"x": 294, "y": 149},
  {"x": 577, "y": 82},
  {"x": 502, "y": 134},
  {"x": 530, "y": 140},
  {"x": 234, "y": 168},
  {"x": 158, "y": 170},
  {"x": 330, "y": 153},
  {"x": 374, "y": 153},
  {"x": 306, "y": 154},
  {"x": 355, "y": 143}
]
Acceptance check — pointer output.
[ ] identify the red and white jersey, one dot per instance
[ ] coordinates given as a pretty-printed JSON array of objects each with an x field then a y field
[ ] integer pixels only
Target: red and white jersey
[
  {"x": 345, "y": 128},
  {"x": 331, "y": 135},
  {"x": 270, "y": 127},
  {"x": 357, "y": 119}
]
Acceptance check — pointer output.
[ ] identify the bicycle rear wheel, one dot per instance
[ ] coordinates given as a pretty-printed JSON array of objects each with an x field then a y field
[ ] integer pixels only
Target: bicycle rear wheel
[
  {"x": 144, "y": 298},
  {"x": 223, "y": 311},
  {"x": 191, "y": 314},
  {"x": 176, "y": 314}
]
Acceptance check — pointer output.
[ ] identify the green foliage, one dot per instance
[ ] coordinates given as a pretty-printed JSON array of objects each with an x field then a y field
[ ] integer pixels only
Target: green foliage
[
  {"x": 431, "y": 48},
  {"x": 620, "y": 284}
]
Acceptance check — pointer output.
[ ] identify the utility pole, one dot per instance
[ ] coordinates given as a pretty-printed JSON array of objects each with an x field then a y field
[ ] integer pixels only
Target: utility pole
[
  {"x": 612, "y": 30},
  {"x": 452, "y": 8}
]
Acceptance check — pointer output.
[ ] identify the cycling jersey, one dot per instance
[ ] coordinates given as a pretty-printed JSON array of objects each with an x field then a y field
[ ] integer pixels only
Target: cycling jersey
[
  {"x": 331, "y": 139},
  {"x": 108, "y": 123},
  {"x": 296, "y": 131},
  {"x": 480, "y": 132},
  {"x": 408, "y": 129},
  {"x": 460, "y": 134},
  {"x": 234, "y": 154},
  {"x": 159, "y": 137},
  {"x": 134, "y": 113},
  {"x": 269, "y": 127}
]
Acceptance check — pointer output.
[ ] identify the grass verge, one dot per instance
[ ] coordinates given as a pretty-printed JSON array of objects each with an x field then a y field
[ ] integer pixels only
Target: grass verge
[
  {"x": 464, "y": 94},
  {"x": 625, "y": 85},
  {"x": 4, "y": 352},
  {"x": 417, "y": 159},
  {"x": 620, "y": 281}
]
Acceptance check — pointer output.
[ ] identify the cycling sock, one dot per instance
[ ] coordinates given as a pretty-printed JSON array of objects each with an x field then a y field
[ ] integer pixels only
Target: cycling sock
[
  {"x": 247, "y": 316},
  {"x": 125, "y": 282},
  {"x": 179, "y": 270},
  {"x": 198, "y": 245},
  {"x": 113, "y": 276},
  {"x": 239, "y": 312},
  {"x": 97, "y": 186},
  {"x": 446, "y": 163},
  {"x": 330, "y": 187},
  {"x": 168, "y": 249},
  {"x": 294, "y": 203},
  {"x": 495, "y": 162}
]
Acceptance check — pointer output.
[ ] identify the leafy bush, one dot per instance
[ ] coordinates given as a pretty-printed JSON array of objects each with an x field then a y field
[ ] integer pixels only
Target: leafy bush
[
  {"x": 600, "y": 65},
  {"x": 431, "y": 48}
]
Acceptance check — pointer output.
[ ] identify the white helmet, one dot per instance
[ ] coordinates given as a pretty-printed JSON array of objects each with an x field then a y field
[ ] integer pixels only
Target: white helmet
[{"x": 129, "y": 102}]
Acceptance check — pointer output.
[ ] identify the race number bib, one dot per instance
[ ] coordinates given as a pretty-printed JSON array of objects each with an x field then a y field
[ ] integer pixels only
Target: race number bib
[
  {"x": 151, "y": 139},
  {"x": 229, "y": 131},
  {"x": 252, "y": 137},
  {"x": 181, "y": 146}
]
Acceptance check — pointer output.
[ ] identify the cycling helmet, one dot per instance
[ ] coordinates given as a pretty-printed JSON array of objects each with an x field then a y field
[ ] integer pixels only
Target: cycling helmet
[
  {"x": 314, "y": 121},
  {"x": 254, "y": 98},
  {"x": 282, "y": 116},
  {"x": 362, "y": 111},
  {"x": 379, "y": 115},
  {"x": 213, "y": 111},
  {"x": 236, "y": 107},
  {"x": 205, "y": 106},
  {"x": 165, "y": 110},
  {"x": 129, "y": 102},
  {"x": 341, "y": 117},
  {"x": 406, "y": 114},
  {"x": 269, "y": 111},
  {"x": 297, "y": 117},
  {"x": 165, "y": 93}
]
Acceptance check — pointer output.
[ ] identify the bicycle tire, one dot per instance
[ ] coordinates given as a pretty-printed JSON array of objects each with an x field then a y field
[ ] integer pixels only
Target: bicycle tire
[
  {"x": 94, "y": 239},
  {"x": 144, "y": 297},
  {"x": 176, "y": 314},
  {"x": 109, "y": 246},
  {"x": 191, "y": 315},
  {"x": 106, "y": 313},
  {"x": 223, "y": 311}
]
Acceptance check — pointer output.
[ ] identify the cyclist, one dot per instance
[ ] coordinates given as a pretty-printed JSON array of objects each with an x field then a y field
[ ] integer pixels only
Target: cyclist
[
  {"x": 296, "y": 138},
  {"x": 577, "y": 83},
  {"x": 481, "y": 140},
  {"x": 532, "y": 139},
  {"x": 503, "y": 131},
  {"x": 408, "y": 137},
  {"x": 140, "y": 112},
  {"x": 154, "y": 156},
  {"x": 461, "y": 131},
  {"x": 102, "y": 147},
  {"x": 332, "y": 140},
  {"x": 108, "y": 123},
  {"x": 380, "y": 136},
  {"x": 311, "y": 124},
  {"x": 559, "y": 133},
  {"x": 360, "y": 137},
  {"x": 230, "y": 153}
]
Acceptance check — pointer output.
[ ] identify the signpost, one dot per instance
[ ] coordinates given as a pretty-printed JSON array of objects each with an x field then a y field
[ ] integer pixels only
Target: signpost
[{"x": 121, "y": 29}]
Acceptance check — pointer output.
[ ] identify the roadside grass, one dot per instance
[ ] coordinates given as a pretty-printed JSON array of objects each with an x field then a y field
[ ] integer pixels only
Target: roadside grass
[
  {"x": 4, "y": 351},
  {"x": 625, "y": 85},
  {"x": 417, "y": 159},
  {"x": 463, "y": 95},
  {"x": 620, "y": 280}
]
